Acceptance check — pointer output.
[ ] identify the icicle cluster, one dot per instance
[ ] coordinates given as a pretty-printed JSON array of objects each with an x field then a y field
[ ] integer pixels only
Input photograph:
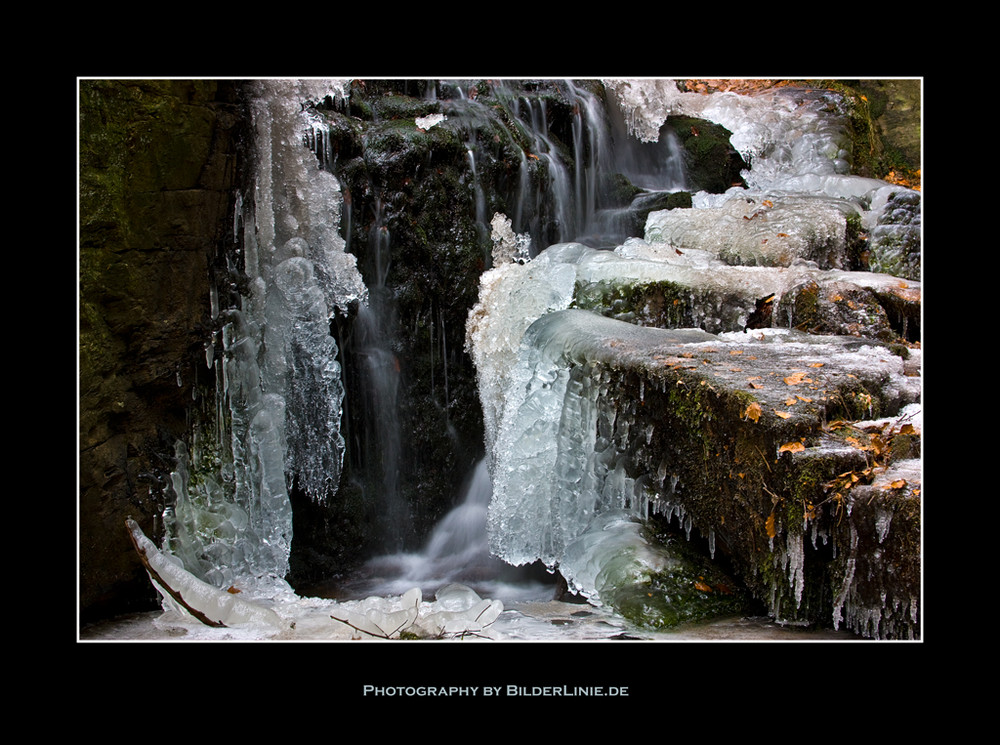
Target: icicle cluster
[{"x": 279, "y": 386}]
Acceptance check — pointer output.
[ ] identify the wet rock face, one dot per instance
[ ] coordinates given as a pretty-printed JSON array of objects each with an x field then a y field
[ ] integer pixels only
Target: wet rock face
[
  {"x": 411, "y": 221},
  {"x": 157, "y": 166}
]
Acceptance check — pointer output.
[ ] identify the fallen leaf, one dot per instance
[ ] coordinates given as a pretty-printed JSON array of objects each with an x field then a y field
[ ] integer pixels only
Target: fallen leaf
[
  {"x": 702, "y": 586},
  {"x": 753, "y": 411},
  {"x": 769, "y": 526},
  {"x": 792, "y": 447},
  {"x": 795, "y": 378},
  {"x": 783, "y": 414}
]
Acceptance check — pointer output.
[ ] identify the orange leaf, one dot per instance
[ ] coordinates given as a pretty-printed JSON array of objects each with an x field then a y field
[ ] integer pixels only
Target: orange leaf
[
  {"x": 792, "y": 447},
  {"x": 702, "y": 586},
  {"x": 752, "y": 411},
  {"x": 769, "y": 526},
  {"x": 783, "y": 414},
  {"x": 795, "y": 378}
]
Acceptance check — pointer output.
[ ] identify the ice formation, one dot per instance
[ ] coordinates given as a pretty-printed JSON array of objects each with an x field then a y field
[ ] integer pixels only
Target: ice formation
[
  {"x": 426, "y": 122},
  {"x": 274, "y": 612},
  {"x": 279, "y": 385},
  {"x": 795, "y": 147}
]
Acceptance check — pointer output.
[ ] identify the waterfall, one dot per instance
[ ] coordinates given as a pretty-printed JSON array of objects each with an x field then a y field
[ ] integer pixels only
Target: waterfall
[
  {"x": 457, "y": 551},
  {"x": 554, "y": 486},
  {"x": 379, "y": 381}
]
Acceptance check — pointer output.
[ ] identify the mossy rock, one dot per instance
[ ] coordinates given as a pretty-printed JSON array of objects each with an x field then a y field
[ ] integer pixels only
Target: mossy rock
[
  {"x": 713, "y": 165},
  {"x": 690, "y": 589}
]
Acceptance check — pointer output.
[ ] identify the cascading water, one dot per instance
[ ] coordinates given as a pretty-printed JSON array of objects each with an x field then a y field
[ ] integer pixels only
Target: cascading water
[
  {"x": 379, "y": 382},
  {"x": 456, "y": 552}
]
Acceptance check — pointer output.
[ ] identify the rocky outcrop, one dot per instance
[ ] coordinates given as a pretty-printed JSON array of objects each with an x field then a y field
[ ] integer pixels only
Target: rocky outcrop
[{"x": 158, "y": 165}]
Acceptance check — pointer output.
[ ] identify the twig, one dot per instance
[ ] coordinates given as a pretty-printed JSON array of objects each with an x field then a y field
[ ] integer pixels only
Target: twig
[{"x": 359, "y": 629}]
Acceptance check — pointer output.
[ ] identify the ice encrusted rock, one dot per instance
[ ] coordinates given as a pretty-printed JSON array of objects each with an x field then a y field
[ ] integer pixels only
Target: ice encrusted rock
[
  {"x": 557, "y": 474},
  {"x": 610, "y": 554},
  {"x": 758, "y": 231}
]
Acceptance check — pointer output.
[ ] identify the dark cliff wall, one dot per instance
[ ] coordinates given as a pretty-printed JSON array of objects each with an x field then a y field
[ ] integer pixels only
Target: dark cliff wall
[{"x": 158, "y": 168}]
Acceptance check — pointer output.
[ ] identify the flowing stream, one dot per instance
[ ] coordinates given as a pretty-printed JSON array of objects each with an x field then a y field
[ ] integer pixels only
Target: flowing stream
[{"x": 280, "y": 378}]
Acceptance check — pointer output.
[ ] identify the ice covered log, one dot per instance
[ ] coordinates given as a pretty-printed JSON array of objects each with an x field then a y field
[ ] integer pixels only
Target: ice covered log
[
  {"x": 745, "y": 439},
  {"x": 184, "y": 592}
]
